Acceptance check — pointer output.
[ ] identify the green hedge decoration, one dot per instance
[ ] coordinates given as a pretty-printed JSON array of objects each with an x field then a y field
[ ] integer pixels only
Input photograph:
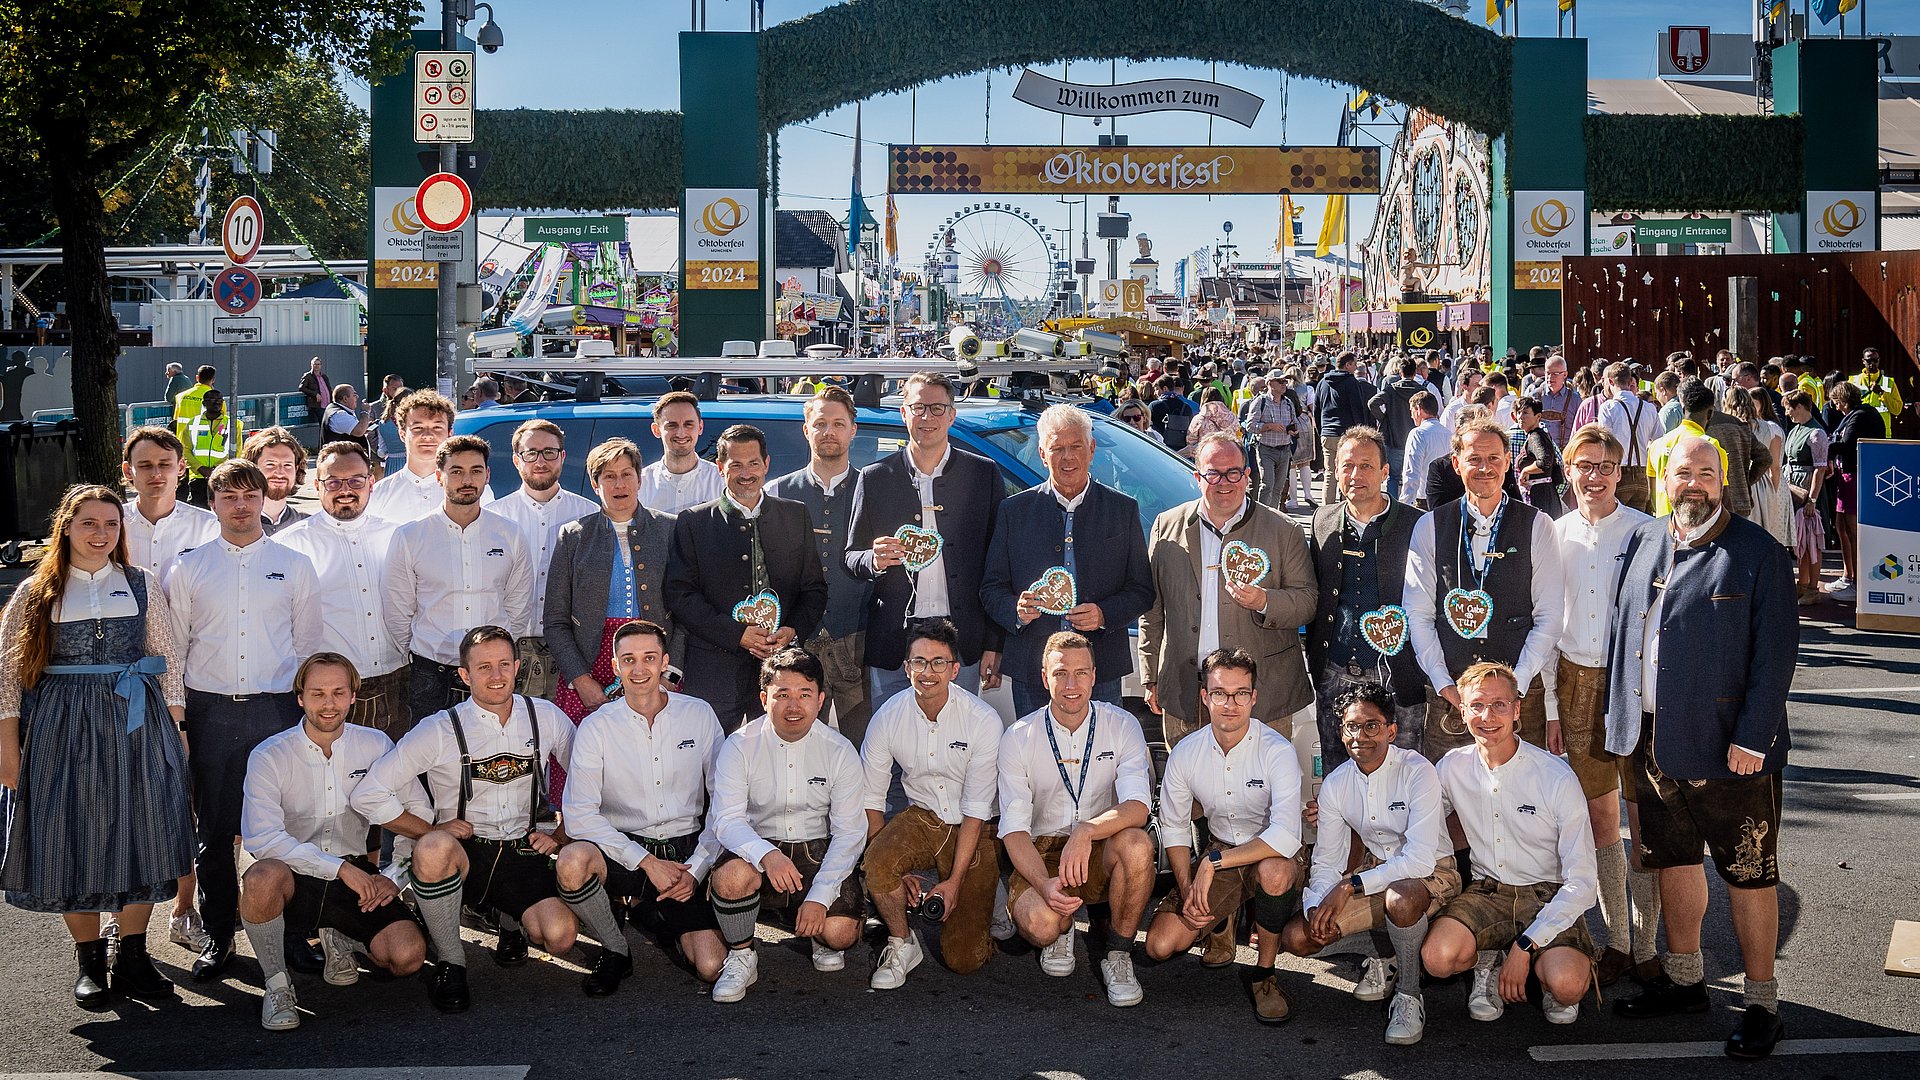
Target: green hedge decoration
[
  {"x": 1403, "y": 49},
  {"x": 1695, "y": 163},
  {"x": 578, "y": 159}
]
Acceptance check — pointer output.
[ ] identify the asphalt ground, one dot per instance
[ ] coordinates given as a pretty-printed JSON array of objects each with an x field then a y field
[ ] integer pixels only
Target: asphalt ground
[{"x": 1848, "y": 863}]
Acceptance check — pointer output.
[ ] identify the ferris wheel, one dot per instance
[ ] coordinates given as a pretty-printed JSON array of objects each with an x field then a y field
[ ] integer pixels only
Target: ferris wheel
[{"x": 999, "y": 266}]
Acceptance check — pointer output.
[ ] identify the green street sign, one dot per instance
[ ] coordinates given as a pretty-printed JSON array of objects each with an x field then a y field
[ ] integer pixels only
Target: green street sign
[
  {"x": 574, "y": 230},
  {"x": 1684, "y": 231}
]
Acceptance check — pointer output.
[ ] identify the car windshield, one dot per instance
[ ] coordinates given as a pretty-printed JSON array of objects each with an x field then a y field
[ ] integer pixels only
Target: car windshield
[{"x": 1124, "y": 459}]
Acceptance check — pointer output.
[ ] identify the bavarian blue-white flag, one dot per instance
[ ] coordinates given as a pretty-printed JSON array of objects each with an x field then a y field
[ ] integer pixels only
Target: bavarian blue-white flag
[
  {"x": 1180, "y": 279},
  {"x": 858, "y": 217}
]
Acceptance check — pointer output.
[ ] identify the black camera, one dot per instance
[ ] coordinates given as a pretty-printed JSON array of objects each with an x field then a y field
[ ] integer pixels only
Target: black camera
[{"x": 931, "y": 907}]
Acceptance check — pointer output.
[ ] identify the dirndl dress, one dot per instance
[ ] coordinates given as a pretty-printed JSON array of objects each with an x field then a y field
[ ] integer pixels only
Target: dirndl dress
[{"x": 101, "y": 819}]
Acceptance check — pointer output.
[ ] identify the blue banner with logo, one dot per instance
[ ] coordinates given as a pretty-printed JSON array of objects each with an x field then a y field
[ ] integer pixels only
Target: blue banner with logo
[{"x": 1889, "y": 586}]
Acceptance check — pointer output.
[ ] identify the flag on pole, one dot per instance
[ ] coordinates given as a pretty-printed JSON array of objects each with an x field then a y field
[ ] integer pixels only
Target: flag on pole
[
  {"x": 1333, "y": 224},
  {"x": 1828, "y": 10},
  {"x": 1283, "y": 242},
  {"x": 893, "y": 231},
  {"x": 1567, "y": 5},
  {"x": 858, "y": 217},
  {"x": 1497, "y": 10}
]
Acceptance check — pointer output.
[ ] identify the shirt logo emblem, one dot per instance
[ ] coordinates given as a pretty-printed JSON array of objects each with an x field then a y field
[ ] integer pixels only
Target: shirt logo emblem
[
  {"x": 686, "y": 744},
  {"x": 276, "y": 576},
  {"x": 1256, "y": 782},
  {"x": 957, "y": 744},
  {"x": 1527, "y": 808},
  {"x": 356, "y": 774},
  {"x": 1396, "y": 805},
  {"x": 119, "y": 592},
  {"x": 1104, "y": 755},
  {"x": 821, "y": 780},
  {"x": 496, "y": 551}
]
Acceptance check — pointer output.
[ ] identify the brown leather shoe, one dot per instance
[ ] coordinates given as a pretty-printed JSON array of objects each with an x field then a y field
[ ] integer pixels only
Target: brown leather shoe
[
  {"x": 1270, "y": 1003},
  {"x": 1646, "y": 971},
  {"x": 1220, "y": 951},
  {"x": 1613, "y": 964}
]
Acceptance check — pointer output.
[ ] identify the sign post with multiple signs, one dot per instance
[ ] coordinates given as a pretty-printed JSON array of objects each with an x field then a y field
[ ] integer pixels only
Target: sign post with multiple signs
[
  {"x": 442, "y": 97},
  {"x": 235, "y": 292}
]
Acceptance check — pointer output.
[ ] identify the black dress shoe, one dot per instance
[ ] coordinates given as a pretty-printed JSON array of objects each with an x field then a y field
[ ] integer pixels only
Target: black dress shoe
[
  {"x": 304, "y": 957},
  {"x": 447, "y": 987},
  {"x": 608, "y": 970},
  {"x": 213, "y": 960},
  {"x": 90, "y": 987},
  {"x": 134, "y": 975},
  {"x": 1759, "y": 1031},
  {"x": 1664, "y": 997},
  {"x": 512, "y": 949}
]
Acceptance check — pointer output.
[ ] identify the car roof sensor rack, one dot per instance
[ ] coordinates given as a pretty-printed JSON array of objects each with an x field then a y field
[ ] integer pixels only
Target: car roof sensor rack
[{"x": 868, "y": 376}]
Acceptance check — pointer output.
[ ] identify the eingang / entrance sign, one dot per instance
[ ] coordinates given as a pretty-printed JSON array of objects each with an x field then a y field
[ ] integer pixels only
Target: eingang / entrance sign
[{"x": 1134, "y": 170}]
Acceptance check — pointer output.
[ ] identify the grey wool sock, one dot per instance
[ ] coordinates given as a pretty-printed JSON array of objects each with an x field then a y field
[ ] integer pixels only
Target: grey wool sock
[
  {"x": 590, "y": 903},
  {"x": 1764, "y": 994},
  {"x": 1686, "y": 969},
  {"x": 1645, "y": 887},
  {"x": 269, "y": 941},
  {"x": 736, "y": 919},
  {"x": 1406, "y": 951},
  {"x": 440, "y": 910},
  {"x": 1614, "y": 912}
]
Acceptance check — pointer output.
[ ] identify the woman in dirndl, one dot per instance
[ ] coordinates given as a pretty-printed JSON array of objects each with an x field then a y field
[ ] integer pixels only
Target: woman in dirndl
[
  {"x": 93, "y": 765},
  {"x": 607, "y": 568}
]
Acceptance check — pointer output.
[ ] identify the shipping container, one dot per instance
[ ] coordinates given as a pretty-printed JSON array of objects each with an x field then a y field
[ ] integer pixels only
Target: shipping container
[{"x": 304, "y": 320}]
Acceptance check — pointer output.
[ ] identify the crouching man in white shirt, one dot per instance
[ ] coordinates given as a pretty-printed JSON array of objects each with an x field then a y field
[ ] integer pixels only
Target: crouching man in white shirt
[
  {"x": 314, "y": 870},
  {"x": 1390, "y": 799},
  {"x": 1534, "y": 878},
  {"x": 787, "y": 807},
  {"x": 1075, "y": 784},
  {"x": 1245, "y": 778},
  {"x": 635, "y": 805}
]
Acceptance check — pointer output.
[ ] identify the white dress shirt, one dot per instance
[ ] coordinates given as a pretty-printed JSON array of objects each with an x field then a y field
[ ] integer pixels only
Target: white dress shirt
[
  {"x": 766, "y": 789},
  {"x": 1527, "y": 824},
  {"x": 350, "y": 559},
  {"x": 1590, "y": 554},
  {"x": 1634, "y": 422},
  {"x": 541, "y": 522},
  {"x": 100, "y": 594},
  {"x": 1422, "y": 600},
  {"x": 155, "y": 544},
  {"x": 949, "y": 764},
  {"x": 1396, "y": 812},
  {"x": 295, "y": 806},
  {"x": 671, "y": 492},
  {"x": 628, "y": 778},
  {"x": 1212, "y": 588},
  {"x": 930, "y": 599},
  {"x": 233, "y": 608},
  {"x": 1249, "y": 792},
  {"x": 443, "y": 580},
  {"x": 401, "y": 496},
  {"x": 500, "y": 803},
  {"x": 1034, "y": 800},
  {"x": 1427, "y": 443}
]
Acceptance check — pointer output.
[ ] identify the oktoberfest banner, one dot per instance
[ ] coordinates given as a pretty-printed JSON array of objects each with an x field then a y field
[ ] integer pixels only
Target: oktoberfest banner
[{"x": 1134, "y": 170}]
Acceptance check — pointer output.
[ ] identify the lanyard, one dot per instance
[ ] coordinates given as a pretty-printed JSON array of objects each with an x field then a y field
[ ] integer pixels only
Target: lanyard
[
  {"x": 1481, "y": 569},
  {"x": 1086, "y": 756}
]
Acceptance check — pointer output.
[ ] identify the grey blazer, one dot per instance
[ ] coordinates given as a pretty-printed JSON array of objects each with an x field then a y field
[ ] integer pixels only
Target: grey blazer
[{"x": 577, "y": 581}]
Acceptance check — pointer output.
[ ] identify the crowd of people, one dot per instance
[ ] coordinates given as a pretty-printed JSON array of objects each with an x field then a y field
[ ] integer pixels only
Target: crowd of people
[{"x": 705, "y": 697}]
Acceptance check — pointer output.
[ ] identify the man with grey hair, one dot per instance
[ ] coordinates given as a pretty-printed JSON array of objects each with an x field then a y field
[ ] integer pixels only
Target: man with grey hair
[{"x": 1067, "y": 554}]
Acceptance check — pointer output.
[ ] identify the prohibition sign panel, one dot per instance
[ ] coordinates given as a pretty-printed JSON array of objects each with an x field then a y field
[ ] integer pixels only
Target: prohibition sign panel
[
  {"x": 443, "y": 202},
  {"x": 236, "y": 290}
]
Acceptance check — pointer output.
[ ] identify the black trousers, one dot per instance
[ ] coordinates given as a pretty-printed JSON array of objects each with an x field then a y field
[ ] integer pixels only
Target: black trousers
[
  {"x": 434, "y": 686},
  {"x": 221, "y": 732}
]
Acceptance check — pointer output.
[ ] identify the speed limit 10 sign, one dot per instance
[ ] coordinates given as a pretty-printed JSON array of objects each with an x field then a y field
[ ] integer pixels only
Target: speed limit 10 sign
[{"x": 242, "y": 230}]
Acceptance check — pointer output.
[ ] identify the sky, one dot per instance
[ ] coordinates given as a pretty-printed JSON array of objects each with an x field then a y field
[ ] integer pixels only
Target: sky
[{"x": 554, "y": 58}]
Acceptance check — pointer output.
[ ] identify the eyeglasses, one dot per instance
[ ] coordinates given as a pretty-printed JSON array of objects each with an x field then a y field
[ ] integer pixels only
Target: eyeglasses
[
  {"x": 1501, "y": 705},
  {"x": 1370, "y": 728},
  {"x": 345, "y": 483},
  {"x": 1221, "y": 697},
  {"x": 921, "y": 664},
  {"x": 1214, "y": 477},
  {"x": 935, "y": 409},
  {"x": 551, "y": 453},
  {"x": 1595, "y": 468}
]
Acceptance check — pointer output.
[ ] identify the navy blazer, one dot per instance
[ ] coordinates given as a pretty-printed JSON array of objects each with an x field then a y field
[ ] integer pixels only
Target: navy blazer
[
  {"x": 967, "y": 495},
  {"x": 710, "y": 569},
  {"x": 1110, "y": 569},
  {"x": 1729, "y": 639}
]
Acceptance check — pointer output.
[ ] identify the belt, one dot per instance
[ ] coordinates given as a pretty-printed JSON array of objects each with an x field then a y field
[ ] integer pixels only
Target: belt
[
  {"x": 434, "y": 665},
  {"x": 130, "y": 684},
  {"x": 227, "y": 697}
]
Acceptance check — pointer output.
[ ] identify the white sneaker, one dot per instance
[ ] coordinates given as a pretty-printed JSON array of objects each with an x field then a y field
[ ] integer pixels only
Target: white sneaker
[
  {"x": 1056, "y": 959},
  {"x": 899, "y": 957},
  {"x": 279, "y": 1007},
  {"x": 1556, "y": 1012},
  {"x": 1483, "y": 1001},
  {"x": 1377, "y": 979},
  {"x": 1123, "y": 989},
  {"x": 1406, "y": 1020},
  {"x": 188, "y": 932},
  {"x": 341, "y": 969},
  {"x": 1842, "y": 591},
  {"x": 741, "y": 970},
  {"x": 825, "y": 959}
]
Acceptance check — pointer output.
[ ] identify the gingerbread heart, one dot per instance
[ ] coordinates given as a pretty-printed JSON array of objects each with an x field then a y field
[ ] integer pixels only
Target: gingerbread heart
[
  {"x": 1242, "y": 564},
  {"x": 1055, "y": 593},
  {"x": 1385, "y": 628},
  {"x": 762, "y": 609},
  {"x": 1468, "y": 611},
  {"x": 923, "y": 546}
]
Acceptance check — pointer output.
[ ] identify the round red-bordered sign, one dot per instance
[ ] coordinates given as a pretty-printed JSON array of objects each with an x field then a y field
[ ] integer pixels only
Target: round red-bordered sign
[
  {"x": 236, "y": 291},
  {"x": 242, "y": 230},
  {"x": 443, "y": 201}
]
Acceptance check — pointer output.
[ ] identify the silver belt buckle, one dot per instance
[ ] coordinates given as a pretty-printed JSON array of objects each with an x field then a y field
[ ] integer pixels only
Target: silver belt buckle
[{"x": 1354, "y": 669}]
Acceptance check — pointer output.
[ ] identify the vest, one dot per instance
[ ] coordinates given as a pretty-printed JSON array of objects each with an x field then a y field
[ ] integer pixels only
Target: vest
[
  {"x": 1509, "y": 583},
  {"x": 207, "y": 443},
  {"x": 328, "y": 435}
]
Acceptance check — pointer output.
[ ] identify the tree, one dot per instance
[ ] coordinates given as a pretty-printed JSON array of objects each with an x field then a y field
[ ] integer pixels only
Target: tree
[{"x": 88, "y": 85}]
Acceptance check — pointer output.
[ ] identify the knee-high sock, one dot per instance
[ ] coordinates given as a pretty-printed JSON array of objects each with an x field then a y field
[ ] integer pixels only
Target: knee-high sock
[
  {"x": 736, "y": 919},
  {"x": 1406, "y": 953},
  {"x": 440, "y": 910},
  {"x": 1645, "y": 886},
  {"x": 590, "y": 903},
  {"x": 1614, "y": 914},
  {"x": 269, "y": 941}
]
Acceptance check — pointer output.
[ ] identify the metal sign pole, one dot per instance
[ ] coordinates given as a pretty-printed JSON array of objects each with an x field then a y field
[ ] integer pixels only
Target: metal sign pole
[{"x": 233, "y": 402}]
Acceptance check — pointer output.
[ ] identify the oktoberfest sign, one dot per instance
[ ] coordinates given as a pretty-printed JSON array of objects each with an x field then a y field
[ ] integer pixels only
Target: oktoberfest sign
[
  {"x": 1134, "y": 170},
  {"x": 1128, "y": 99}
]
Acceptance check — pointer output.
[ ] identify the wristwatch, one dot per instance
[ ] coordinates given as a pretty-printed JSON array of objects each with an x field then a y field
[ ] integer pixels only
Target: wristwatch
[
  {"x": 1214, "y": 857},
  {"x": 1526, "y": 944},
  {"x": 1355, "y": 884}
]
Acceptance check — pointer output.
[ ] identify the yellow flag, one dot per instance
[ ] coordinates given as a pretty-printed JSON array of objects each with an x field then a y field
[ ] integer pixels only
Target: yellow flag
[
  {"x": 1848, "y": 5},
  {"x": 1566, "y": 5},
  {"x": 1283, "y": 242},
  {"x": 1496, "y": 9},
  {"x": 1333, "y": 225}
]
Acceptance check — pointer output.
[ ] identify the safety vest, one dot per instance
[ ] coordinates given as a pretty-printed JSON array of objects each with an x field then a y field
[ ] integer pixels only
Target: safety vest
[
  {"x": 186, "y": 407},
  {"x": 207, "y": 442},
  {"x": 1876, "y": 392}
]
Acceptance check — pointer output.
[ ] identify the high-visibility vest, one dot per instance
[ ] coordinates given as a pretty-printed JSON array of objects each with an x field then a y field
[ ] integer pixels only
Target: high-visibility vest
[
  {"x": 207, "y": 442},
  {"x": 186, "y": 408}
]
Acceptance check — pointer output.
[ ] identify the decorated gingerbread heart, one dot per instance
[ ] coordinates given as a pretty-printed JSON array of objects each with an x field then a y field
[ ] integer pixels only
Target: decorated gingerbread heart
[
  {"x": 1468, "y": 611},
  {"x": 923, "y": 546},
  {"x": 762, "y": 609},
  {"x": 1055, "y": 593},
  {"x": 1385, "y": 628},
  {"x": 1242, "y": 564}
]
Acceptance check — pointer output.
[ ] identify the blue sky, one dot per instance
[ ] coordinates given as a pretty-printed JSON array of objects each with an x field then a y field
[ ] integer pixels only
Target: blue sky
[{"x": 622, "y": 54}]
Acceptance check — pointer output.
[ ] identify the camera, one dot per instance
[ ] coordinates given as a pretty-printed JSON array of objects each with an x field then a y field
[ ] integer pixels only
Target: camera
[{"x": 931, "y": 907}]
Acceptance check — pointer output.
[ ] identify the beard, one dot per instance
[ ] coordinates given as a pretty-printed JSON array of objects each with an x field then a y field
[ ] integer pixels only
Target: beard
[
  {"x": 1694, "y": 511},
  {"x": 541, "y": 483}
]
